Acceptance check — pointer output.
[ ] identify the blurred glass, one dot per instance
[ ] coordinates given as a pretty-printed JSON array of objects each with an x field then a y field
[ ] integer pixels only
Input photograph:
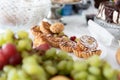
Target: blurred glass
[{"x": 22, "y": 14}]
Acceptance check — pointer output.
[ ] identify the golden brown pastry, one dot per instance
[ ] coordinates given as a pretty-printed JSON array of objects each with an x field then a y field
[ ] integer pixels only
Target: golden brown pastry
[
  {"x": 45, "y": 28},
  {"x": 36, "y": 31},
  {"x": 57, "y": 27},
  {"x": 38, "y": 40},
  {"x": 90, "y": 53},
  {"x": 87, "y": 43},
  {"x": 118, "y": 55},
  {"x": 60, "y": 77},
  {"x": 67, "y": 45},
  {"x": 53, "y": 40},
  {"x": 77, "y": 51}
]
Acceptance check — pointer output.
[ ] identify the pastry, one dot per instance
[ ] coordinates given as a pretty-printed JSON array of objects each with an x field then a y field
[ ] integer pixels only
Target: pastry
[
  {"x": 87, "y": 43},
  {"x": 67, "y": 45},
  {"x": 109, "y": 12},
  {"x": 77, "y": 51},
  {"x": 36, "y": 31},
  {"x": 57, "y": 27},
  {"x": 53, "y": 40},
  {"x": 60, "y": 77},
  {"x": 86, "y": 54},
  {"x": 38, "y": 40},
  {"x": 45, "y": 28},
  {"x": 118, "y": 55}
]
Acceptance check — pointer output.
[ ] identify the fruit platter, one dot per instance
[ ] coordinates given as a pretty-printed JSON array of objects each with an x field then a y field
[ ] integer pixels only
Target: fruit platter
[{"x": 23, "y": 58}]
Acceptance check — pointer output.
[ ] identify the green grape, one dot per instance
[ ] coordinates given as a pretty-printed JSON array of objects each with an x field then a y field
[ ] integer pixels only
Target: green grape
[
  {"x": 48, "y": 62},
  {"x": 61, "y": 65},
  {"x": 3, "y": 78},
  {"x": 81, "y": 75},
  {"x": 108, "y": 73},
  {"x": 22, "y": 75},
  {"x": 62, "y": 55},
  {"x": 69, "y": 66},
  {"x": 73, "y": 72},
  {"x": 69, "y": 58},
  {"x": 6, "y": 69},
  {"x": 2, "y": 41},
  {"x": 9, "y": 32},
  {"x": 51, "y": 70},
  {"x": 94, "y": 70},
  {"x": 9, "y": 36},
  {"x": 32, "y": 69},
  {"x": 80, "y": 66},
  {"x": 12, "y": 75},
  {"x": 25, "y": 54},
  {"x": 91, "y": 77},
  {"x": 94, "y": 61},
  {"x": 30, "y": 60},
  {"x": 22, "y": 34},
  {"x": 50, "y": 53},
  {"x": 22, "y": 44}
]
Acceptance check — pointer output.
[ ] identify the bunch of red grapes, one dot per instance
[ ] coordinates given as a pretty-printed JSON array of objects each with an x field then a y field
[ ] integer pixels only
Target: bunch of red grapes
[{"x": 9, "y": 55}]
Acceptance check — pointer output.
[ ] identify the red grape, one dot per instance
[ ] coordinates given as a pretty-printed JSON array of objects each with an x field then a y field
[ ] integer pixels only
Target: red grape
[
  {"x": 73, "y": 38},
  {"x": 15, "y": 59},
  {"x": 2, "y": 59},
  {"x": 9, "y": 50},
  {"x": 43, "y": 47}
]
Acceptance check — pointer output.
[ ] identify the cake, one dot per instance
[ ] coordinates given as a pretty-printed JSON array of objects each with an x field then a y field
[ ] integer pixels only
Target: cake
[{"x": 109, "y": 12}]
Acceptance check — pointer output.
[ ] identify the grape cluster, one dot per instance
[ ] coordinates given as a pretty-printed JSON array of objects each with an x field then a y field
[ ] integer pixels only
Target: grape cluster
[
  {"x": 51, "y": 65},
  {"x": 12, "y": 46}
]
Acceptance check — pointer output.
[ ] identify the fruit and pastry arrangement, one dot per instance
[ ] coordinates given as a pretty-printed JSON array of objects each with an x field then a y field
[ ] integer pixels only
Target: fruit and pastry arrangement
[
  {"x": 53, "y": 34},
  {"x": 20, "y": 61}
]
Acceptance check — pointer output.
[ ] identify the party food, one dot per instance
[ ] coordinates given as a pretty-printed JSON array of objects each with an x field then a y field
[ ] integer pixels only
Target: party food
[
  {"x": 82, "y": 47},
  {"x": 57, "y": 27}
]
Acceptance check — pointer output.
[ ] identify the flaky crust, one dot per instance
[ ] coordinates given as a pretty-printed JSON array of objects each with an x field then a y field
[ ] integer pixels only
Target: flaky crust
[
  {"x": 57, "y": 27},
  {"x": 45, "y": 28},
  {"x": 91, "y": 53},
  {"x": 36, "y": 31},
  {"x": 67, "y": 45},
  {"x": 118, "y": 55}
]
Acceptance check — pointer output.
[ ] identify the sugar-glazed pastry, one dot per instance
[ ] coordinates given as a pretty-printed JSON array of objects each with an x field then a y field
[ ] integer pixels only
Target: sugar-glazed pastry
[
  {"x": 36, "y": 31},
  {"x": 67, "y": 45},
  {"x": 87, "y": 43},
  {"x": 77, "y": 51},
  {"x": 87, "y": 54},
  {"x": 57, "y": 27},
  {"x": 45, "y": 27},
  {"x": 53, "y": 40},
  {"x": 38, "y": 40}
]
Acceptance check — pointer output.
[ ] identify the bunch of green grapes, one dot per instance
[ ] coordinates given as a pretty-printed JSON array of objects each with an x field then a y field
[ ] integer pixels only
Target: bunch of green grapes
[
  {"x": 48, "y": 65},
  {"x": 93, "y": 69}
]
